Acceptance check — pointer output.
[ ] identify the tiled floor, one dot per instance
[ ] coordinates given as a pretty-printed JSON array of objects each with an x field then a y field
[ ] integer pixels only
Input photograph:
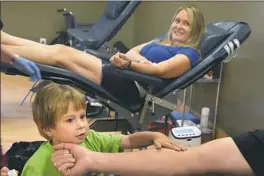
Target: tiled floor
[{"x": 16, "y": 120}]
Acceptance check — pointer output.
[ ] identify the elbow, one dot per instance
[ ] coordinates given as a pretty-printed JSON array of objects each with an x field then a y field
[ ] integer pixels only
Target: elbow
[
  {"x": 169, "y": 74},
  {"x": 159, "y": 71},
  {"x": 162, "y": 73},
  {"x": 166, "y": 75}
]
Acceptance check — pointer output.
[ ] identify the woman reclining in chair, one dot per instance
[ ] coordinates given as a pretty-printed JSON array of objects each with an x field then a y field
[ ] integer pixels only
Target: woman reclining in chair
[{"x": 165, "y": 58}]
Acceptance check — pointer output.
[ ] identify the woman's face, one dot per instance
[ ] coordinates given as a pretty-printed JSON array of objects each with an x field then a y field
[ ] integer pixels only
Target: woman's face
[{"x": 181, "y": 28}]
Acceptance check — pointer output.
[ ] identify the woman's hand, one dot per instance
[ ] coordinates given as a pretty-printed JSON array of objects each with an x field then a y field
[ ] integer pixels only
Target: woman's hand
[
  {"x": 120, "y": 60},
  {"x": 160, "y": 140}
]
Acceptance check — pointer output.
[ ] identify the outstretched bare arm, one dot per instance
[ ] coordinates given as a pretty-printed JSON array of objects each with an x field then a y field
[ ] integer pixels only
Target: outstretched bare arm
[{"x": 218, "y": 156}]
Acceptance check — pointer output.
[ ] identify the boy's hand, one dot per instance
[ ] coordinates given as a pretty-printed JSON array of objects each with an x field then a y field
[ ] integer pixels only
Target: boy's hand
[
  {"x": 160, "y": 140},
  {"x": 71, "y": 159},
  {"x": 5, "y": 172}
]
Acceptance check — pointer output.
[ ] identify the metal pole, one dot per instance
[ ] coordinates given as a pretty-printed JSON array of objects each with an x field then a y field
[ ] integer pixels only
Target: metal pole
[
  {"x": 217, "y": 98},
  {"x": 191, "y": 93},
  {"x": 184, "y": 104}
]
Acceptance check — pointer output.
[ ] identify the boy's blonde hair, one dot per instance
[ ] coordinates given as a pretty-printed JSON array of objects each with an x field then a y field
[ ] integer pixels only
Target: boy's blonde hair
[
  {"x": 197, "y": 25},
  {"x": 51, "y": 103}
]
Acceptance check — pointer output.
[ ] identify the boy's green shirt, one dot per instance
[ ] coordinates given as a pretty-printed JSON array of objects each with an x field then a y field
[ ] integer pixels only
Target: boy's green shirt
[{"x": 40, "y": 163}]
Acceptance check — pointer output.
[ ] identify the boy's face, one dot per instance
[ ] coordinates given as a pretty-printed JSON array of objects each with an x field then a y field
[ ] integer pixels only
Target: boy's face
[{"x": 72, "y": 127}]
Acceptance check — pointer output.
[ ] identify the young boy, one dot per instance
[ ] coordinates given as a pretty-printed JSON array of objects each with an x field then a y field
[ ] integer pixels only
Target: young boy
[{"x": 59, "y": 113}]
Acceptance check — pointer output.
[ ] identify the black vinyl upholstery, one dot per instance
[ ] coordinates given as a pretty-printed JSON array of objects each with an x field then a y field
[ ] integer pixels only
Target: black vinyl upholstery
[
  {"x": 115, "y": 15},
  {"x": 213, "y": 35},
  {"x": 114, "y": 9}
]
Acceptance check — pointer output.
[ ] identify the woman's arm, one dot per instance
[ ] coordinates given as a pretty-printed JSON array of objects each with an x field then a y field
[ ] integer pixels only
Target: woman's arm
[
  {"x": 133, "y": 54},
  {"x": 170, "y": 68}
]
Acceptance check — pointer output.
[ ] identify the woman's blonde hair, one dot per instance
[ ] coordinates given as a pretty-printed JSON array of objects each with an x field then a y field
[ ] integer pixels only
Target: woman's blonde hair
[
  {"x": 197, "y": 25},
  {"x": 51, "y": 103}
]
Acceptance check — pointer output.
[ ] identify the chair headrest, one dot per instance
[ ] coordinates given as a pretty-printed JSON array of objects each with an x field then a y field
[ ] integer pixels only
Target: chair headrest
[
  {"x": 212, "y": 37},
  {"x": 114, "y": 8}
]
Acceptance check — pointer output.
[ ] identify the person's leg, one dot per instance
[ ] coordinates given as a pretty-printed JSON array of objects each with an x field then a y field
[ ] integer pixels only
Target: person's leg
[
  {"x": 220, "y": 156},
  {"x": 46, "y": 54},
  {"x": 77, "y": 61},
  {"x": 8, "y": 39}
]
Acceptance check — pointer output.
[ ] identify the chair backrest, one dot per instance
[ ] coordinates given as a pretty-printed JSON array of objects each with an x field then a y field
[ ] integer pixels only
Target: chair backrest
[
  {"x": 212, "y": 46},
  {"x": 114, "y": 17},
  {"x": 212, "y": 37}
]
